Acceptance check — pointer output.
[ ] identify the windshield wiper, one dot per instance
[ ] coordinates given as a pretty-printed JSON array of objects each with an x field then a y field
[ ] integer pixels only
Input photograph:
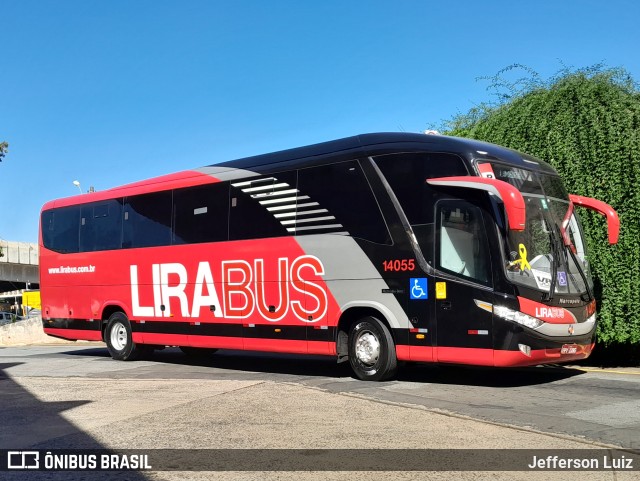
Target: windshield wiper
[
  {"x": 548, "y": 296},
  {"x": 559, "y": 249},
  {"x": 581, "y": 272},
  {"x": 568, "y": 246}
]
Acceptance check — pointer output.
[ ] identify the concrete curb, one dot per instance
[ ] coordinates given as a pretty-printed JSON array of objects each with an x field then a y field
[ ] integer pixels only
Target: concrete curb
[{"x": 28, "y": 331}]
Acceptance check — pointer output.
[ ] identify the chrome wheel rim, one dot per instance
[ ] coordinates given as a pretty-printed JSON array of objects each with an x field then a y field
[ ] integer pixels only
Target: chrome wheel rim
[
  {"x": 367, "y": 348},
  {"x": 118, "y": 336}
]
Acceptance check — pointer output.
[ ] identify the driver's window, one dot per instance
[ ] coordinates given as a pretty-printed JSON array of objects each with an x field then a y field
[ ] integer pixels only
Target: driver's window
[{"x": 462, "y": 247}]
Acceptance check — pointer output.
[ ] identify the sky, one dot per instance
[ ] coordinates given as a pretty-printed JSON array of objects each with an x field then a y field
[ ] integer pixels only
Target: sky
[{"x": 108, "y": 92}]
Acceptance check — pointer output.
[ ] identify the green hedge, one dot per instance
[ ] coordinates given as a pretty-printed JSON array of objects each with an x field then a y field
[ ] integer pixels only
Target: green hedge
[{"x": 587, "y": 125}]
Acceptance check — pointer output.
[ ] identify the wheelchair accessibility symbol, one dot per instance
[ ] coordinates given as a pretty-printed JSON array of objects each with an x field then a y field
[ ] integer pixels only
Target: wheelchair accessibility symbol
[{"x": 419, "y": 289}]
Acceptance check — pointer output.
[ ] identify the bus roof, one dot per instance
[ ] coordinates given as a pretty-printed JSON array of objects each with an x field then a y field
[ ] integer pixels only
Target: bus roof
[
  {"x": 379, "y": 143},
  {"x": 317, "y": 154}
]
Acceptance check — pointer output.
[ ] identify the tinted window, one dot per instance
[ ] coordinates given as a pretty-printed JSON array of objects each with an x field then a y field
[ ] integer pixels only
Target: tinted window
[
  {"x": 147, "y": 220},
  {"x": 46, "y": 226},
  {"x": 553, "y": 186},
  {"x": 201, "y": 214},
  {"x": 462, "y": 242},
  {"x": 529, "y": 182},
  {"x": 407, "y": 173},
  {"x": 338, "y": 198},
  {"x": 101, "y": 226},
  {"x": 260, "y": 206},
  {"x": 61, "y": 229}
]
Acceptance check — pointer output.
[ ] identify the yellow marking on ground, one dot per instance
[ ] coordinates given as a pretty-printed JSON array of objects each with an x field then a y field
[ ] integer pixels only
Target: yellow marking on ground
[{"x": 586, "y": 369}]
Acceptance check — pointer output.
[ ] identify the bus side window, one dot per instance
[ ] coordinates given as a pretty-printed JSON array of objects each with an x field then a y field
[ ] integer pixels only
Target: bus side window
[
  {"x": 201, "y": 214},
  {"x": 407, "y": 173},
  {"x": 61, "y": 229},
  {"x": 256, "y": 204},
  {"x": 462, "y": 242},
  {"x": 47, "y": 227},
  {"x": 147, "y": 220},
  {"x": 101, "y": 226},
  {"x": 345, "y": 203}
]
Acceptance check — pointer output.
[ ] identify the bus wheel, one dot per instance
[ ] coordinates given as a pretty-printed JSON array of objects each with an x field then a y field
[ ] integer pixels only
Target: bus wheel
[
  {"x": 119, "y": 339},
  {"x": 198, "y": 352},
  {"x": 372, "y": 353}
]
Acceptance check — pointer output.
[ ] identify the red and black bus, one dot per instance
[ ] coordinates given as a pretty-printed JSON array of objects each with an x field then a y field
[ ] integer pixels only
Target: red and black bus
[{"x": 374, "y": 249}]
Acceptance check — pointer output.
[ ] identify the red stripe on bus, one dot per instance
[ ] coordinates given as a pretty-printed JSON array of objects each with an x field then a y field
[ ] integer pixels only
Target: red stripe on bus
[
  {"x": 486, "y": 357},
  {"x": 165, "y": 339},
  {"x": 402, "y": 352},
  {"x": 74, "y": 334},
  {"x": 248, "y": 344},
  {"x": 219, "y": 342},
  {"x": 323, "y": 348},
  {"x": 464, "y": 355},
  {"x": 276, "y": 345},
  {"x": 516, "y": 358},
  {"x": 500, "y": 358},
  {"x": 415, "y": 353}
]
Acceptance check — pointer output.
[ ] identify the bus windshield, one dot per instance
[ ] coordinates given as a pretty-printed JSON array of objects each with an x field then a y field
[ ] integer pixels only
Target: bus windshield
[{"x": 537, "y": 254}]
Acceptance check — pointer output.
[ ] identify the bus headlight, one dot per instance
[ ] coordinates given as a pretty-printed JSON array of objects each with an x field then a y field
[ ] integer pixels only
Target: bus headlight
[{"x": 517, "y": 316}]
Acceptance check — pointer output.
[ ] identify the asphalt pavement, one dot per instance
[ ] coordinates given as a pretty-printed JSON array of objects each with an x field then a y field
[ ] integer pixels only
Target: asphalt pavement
[{"x": 76, "y": 397}]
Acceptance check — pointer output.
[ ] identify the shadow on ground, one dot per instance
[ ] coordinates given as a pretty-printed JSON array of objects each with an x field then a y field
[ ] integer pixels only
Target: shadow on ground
[
  {"x": 269, "y": 366},
  {"x": 29, "y": 423},
  {"x": 614, "y": 355}
]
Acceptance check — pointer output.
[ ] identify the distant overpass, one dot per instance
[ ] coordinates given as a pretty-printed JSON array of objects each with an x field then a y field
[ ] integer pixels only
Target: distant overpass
[{"x": 18, "y": 266}]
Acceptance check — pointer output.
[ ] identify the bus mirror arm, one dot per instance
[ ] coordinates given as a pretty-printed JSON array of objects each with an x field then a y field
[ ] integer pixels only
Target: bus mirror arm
[
  {"x": 510, "y": 196},
  {"x": 613, "y": 222}
]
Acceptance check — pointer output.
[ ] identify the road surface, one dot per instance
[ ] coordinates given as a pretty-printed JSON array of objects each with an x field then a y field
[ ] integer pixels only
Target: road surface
[{"x": 76, "y": 397}]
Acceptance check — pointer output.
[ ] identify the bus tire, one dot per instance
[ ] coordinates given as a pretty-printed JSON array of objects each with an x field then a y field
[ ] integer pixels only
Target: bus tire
[
  {"x": 198, "y": 352},
  {"x": 372, "y": 352},
  {"x": 119, "y": 339}
]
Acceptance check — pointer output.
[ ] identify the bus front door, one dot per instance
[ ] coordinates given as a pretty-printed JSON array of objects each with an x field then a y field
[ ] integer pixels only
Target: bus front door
[{"x": 463, "y": 291}]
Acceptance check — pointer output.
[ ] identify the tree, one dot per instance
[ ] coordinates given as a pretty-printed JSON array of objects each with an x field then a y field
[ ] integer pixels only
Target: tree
[{"x": 586, "y": 123}]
